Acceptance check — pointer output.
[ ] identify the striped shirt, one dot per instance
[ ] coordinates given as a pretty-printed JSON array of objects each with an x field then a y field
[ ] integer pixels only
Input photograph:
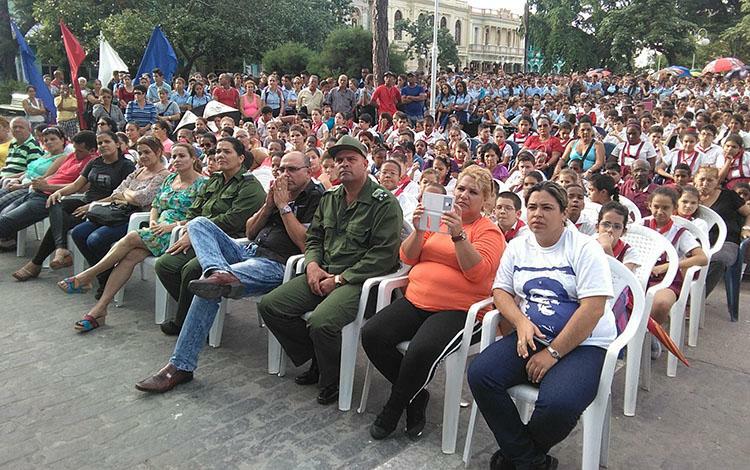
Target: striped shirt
[
  {"x": 20, "y": 155},
  {"x": 141, "y": 116}
]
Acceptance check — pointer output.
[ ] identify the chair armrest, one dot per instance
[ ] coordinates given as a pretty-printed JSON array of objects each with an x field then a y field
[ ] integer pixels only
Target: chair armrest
[
  {"x": 375, "y": 281},
  {"x": 489, "y": 326},
  {"x": 176, "y": 234},
  {"x": 293, "y": 265},
  {"x": 471, "y": 318},
  {"x": 386, "y": 288},
  {"x": 136, "y": 219}
]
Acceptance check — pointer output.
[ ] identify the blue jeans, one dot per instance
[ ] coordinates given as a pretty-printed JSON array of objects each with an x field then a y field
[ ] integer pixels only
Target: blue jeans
[
  {"x": 215, "y": 250},
  {"x": 564, "y": 393},
  {"x": 94, "y": 240}
]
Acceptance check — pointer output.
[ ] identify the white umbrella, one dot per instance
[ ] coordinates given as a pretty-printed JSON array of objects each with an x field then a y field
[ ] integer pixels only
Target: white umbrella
[
  {"x": 215, "y": 108},
  {"x": 187, "y": 121}
]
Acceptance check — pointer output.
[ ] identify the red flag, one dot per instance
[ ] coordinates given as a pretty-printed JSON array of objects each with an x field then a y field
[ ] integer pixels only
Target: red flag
[{"x": 75, "y": 54}]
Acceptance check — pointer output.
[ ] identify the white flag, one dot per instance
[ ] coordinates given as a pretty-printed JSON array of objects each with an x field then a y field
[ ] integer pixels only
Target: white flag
[{"x": 109, "y": 61}]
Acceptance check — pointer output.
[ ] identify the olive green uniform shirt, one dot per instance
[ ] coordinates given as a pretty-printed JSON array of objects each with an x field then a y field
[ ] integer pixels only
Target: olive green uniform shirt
[
  {"x": 358, "y": 241},
  {"x": 229, "y": 204}
]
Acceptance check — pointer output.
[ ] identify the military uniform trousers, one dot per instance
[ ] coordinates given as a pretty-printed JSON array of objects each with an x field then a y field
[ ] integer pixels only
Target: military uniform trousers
[{"x": 282, "y": 310}]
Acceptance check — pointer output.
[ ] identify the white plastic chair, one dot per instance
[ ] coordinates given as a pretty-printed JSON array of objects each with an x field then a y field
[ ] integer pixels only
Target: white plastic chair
[
  {"x": 591, "y": 210},
  {"x": 136, "y": 221},
  {"x": 36, "y": 229},
  {"x": 349, "y": 339},
  {"x": 596, "y": 418},
  {"x": 455, "y": 364},
  {"x": 698, "y": 302},
  {"x": 635, "y": 213},
  {"x": 649, "y": 245},
  {"x": 690, "y": 287},
  {"x": 164, "y": 303}
]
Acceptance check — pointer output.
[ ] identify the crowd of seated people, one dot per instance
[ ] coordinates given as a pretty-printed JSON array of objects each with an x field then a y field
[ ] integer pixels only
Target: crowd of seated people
[{"x": 336, "y": 170}]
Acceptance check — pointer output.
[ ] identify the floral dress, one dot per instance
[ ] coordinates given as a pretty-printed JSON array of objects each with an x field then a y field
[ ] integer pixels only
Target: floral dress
[{"x": 172, "y": 205}]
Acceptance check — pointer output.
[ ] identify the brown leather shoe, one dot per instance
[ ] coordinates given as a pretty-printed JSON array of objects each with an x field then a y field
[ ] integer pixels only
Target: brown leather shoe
[
  {"x": 217, "y": 285},
  {"x": 165, "y": 380}
]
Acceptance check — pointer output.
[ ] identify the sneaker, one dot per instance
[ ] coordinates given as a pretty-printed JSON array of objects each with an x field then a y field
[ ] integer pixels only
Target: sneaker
[
  {"x": 386, "y": 422},
  {"x": 656, "y": 348},
  {"x": 416, "y": 414}
]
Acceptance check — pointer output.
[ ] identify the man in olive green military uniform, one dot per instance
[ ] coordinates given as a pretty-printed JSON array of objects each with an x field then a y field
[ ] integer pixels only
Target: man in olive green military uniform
[
  {"x": 228, "y": 199},
  {"x": 354, "y": 236}
]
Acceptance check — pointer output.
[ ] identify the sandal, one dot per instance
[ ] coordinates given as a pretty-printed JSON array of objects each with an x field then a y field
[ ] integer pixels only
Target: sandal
[
  {"x": 61, "y": 262},
  {"x": 26, "y": 273},
  {"x": 68, "y": 285},
  {"x": 88, "y": 323}
]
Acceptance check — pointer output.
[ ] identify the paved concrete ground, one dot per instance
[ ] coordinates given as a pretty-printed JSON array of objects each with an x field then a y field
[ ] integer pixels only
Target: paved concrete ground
[{"x": 68, "y": 401}]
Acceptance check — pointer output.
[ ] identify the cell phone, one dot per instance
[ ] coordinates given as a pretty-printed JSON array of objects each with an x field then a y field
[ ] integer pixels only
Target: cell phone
[{"x": 541, "y": 341}]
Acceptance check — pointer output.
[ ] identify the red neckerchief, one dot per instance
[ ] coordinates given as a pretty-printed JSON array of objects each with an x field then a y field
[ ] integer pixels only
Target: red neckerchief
[
  {"x": 626, "y": 153},
  {"x": 513, "y": 231},
  {"x": 693, "y": 159},
  {"x": 315, "y": 126},
  {"x": 520, "y": 138},
  {"x": 662, "y": 230},
  {"x": 592, "y": 116},
  {"x": 619, "y": 250},
  {"x": 738, "y": 161},
  {"x": 402, "y": 185},
  {"x": 501, "y": 149}
]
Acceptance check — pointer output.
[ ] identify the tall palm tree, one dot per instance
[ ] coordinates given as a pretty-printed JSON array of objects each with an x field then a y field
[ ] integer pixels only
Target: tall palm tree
[{"x": 379, "y": 14}]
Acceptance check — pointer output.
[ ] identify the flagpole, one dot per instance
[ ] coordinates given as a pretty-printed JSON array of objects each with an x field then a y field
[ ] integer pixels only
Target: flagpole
[{"x": 433, "y": 78}]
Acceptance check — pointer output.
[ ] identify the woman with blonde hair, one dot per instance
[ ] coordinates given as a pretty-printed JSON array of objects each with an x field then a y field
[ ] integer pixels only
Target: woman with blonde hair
[{"x": 464, "y": 256}]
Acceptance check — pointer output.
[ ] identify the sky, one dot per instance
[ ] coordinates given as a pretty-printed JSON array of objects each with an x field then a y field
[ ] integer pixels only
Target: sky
[{"x": 515, "y": 6}]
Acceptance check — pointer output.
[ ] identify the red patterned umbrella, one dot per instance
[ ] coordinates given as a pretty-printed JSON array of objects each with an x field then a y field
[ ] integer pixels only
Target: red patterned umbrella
[{"x": 723, "y": 65}]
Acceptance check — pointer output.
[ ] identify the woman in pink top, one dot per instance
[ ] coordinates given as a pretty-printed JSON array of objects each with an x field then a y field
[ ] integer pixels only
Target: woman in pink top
[{"x": 250, "y": 101}]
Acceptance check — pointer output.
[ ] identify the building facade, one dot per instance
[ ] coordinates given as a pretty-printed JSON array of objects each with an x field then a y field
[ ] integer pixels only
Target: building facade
[{"x": 486, "y": 39}]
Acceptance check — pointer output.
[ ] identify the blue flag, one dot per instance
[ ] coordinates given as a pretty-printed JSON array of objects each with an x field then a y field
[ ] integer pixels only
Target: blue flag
[
  {"x": 28, "y": 59},
  {"x": 159, "y": 53}
]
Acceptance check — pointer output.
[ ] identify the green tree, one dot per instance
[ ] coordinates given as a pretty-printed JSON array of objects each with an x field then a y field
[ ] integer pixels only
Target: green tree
[
  {"x": 420, "y": 40},
  {"x": 737, "y": 38},
  {"x": 635, "y": 27},
  {"x": 345, "y": 50},
  {"x": 290, "y": 57}
]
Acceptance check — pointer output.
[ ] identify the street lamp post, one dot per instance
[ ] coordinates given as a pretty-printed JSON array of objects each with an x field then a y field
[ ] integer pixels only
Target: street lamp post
[
  {"x": 433, "y": 78},
  {"x": 701, "y": 40}
]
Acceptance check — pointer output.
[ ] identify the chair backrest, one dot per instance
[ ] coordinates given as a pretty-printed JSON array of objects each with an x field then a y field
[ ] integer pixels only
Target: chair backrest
[
  {"x": 591, "y": 210},
  {"x": 635, "y": 213},
  {"x": 623, "y": 278},
  {"x": 699, "y": 234},
  {"x": 713, "y": 219},
  {"x": 650, "y": 245}
]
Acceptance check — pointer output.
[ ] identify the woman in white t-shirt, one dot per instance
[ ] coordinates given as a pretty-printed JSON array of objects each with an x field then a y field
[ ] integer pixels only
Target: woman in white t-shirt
[{"x": 562, "y": 329}]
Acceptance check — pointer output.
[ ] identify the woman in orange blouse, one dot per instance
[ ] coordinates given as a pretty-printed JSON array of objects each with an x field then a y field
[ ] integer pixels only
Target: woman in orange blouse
[{"x": 450, "y": 273}]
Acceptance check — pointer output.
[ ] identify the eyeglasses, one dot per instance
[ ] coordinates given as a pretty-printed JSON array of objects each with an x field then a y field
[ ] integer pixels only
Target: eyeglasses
[
  {"x": 291, "y": 169},
  {"x": 609, "y": 225}
]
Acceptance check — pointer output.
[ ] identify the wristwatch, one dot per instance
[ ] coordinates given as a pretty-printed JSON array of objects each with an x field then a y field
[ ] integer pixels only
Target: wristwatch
[
  {"x": 460, "y": 237},
  {"x": 338, "y": 280},
  {"x": 285, "y": 210},
  {"x": 553, "y": 352}
]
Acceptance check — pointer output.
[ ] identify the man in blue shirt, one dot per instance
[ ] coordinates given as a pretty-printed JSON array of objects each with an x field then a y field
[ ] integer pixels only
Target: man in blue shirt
[
  {"x": 413, "y": 96},
  {"x": 153, "y": 90}
]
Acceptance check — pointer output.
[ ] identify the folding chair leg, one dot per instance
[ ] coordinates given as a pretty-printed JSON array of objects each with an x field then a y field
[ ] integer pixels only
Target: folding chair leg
[
  {"x": 604, "y": 455},
  {"x": 697, "y": 300},
  {"x": 21, "y": 243},
  {"x": 119, "y": 296},
  {"x": 454, "y": 375},
  {"x": 676, "y": 332},
  {"x": 470, "y": 433},
  {"x": 214, "y": 334},
  {"x": 365, "y": 388},
  {"x": 593, "y": 425},
  {"x": 632, "y": 368},
  {"x": 645, "y": 379},
  {"x": 349, "y": 343},
  {"x": 162, "y": 301}
]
